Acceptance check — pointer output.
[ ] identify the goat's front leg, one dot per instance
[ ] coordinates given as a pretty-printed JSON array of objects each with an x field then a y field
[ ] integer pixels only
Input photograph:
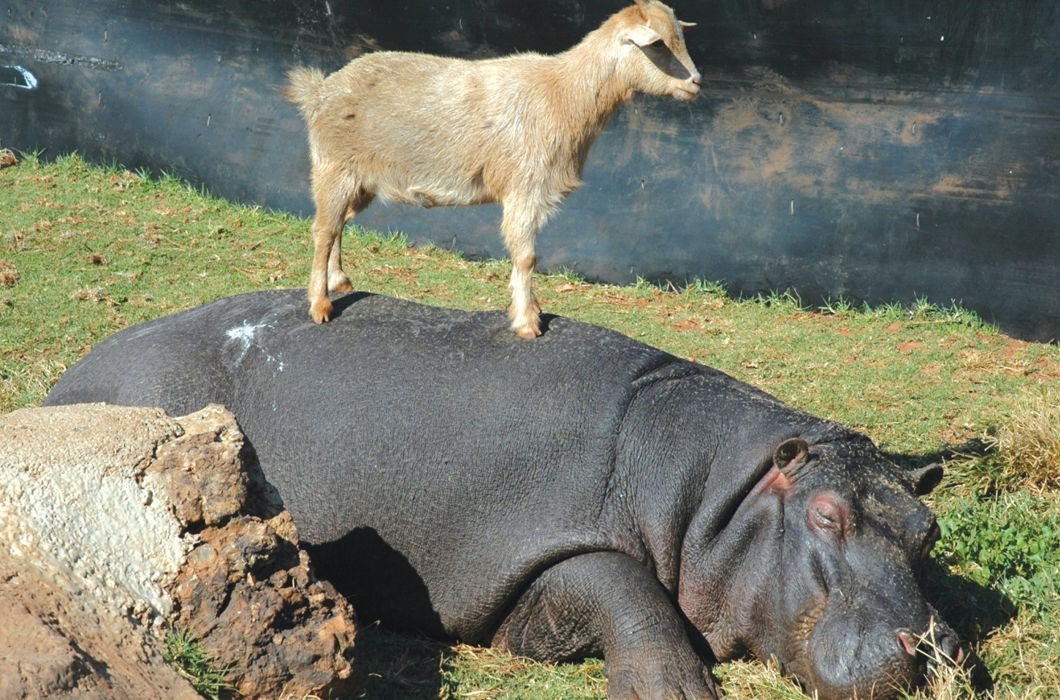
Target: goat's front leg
[
  {"x": 519, "y": 227},
  {"x": 525, "y": 312}
]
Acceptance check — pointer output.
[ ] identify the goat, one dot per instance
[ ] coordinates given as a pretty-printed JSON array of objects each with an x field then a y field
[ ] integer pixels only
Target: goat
[{"x": 433, "y": 131}]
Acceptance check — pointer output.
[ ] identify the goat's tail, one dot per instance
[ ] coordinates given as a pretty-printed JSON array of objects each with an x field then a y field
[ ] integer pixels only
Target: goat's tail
[{"x": 303, "y": 87}]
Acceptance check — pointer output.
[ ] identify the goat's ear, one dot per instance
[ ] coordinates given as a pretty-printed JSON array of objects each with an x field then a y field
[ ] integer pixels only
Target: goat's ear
[{"x": 641, "y": 35}]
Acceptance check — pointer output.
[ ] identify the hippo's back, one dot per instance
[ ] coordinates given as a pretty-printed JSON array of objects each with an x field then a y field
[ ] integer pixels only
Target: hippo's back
[
  {"x": 215, "y": 352},
  {"x": 409, "y": 423}
]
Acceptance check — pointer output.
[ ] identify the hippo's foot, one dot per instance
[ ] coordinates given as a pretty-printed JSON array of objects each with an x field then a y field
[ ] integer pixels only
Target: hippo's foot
[
  {"x": 607, "y": 602},
  {"x": 662, "y": 682}
]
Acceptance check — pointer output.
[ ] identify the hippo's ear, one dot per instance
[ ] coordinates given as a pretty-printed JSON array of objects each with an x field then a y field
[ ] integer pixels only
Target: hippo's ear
[
  {"x": 790, "y": 455},
  {"x": 926, "y": 478}
]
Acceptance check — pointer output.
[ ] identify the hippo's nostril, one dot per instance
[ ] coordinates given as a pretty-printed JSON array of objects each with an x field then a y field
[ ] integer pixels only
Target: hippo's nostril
[
  {"x": 949, "y": 649},
  {"x": 908, "y": 642}
]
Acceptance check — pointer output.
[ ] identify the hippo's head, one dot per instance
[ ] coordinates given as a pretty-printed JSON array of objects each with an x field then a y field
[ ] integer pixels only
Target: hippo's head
[{"x": 832, "y": 543}]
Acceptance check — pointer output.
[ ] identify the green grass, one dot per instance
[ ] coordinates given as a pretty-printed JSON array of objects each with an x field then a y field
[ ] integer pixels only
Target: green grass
[
  {"x": 187, "y": 656},
  {"x": 86, "y": 251}
]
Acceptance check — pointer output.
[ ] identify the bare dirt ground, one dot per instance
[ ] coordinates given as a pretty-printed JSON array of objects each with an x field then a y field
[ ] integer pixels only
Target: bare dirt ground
[{"x": 50, "y": 647}]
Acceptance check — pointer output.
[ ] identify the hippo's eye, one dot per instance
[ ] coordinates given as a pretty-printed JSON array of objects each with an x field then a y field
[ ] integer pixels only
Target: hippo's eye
[
  {"x": 829, "y": 514},
  {"x": 825, "y": 517}
]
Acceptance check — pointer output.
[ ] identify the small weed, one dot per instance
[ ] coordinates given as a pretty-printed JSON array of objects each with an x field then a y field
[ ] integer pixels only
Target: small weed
[
  {"x": 706, "y": 287},
  {"x": 994, "y": 539},
  {"x": 192, "y": 662},
  {"x": 568, "y": 275},
  {"x": 788, "y": 300},
  {"x": 924, "y": 311},
  {"x": 837, "y": 307}
]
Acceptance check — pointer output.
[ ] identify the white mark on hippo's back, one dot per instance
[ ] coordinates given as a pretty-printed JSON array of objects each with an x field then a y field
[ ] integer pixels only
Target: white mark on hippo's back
[
  {"x": 246, "y": 336},
  {"x": 245, "y": 333}
]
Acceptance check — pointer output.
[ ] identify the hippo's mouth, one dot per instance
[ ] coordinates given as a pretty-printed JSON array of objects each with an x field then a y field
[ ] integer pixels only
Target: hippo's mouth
[
  {"x": 799, "y": 661},
  {"x": 811, "y": 660},
  {"x": 835, "y": 670}
]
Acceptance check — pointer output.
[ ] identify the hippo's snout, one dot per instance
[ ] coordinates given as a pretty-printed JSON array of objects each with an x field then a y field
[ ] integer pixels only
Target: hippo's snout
[
  {"x": 940, "y": 650},
  {"x": 882, "y": 664},
  {"x": 937, "y": 647}
]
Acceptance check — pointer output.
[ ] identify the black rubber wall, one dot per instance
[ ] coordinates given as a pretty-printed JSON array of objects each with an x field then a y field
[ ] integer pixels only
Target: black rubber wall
[{"x": 882, "y": 151}]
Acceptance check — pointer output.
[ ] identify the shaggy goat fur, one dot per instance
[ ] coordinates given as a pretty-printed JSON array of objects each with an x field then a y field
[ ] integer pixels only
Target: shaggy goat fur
[{"x": 434, "y": 131}]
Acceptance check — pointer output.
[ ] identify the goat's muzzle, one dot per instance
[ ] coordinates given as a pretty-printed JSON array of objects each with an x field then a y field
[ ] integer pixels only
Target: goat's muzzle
[{"x": 689, "y": 89}]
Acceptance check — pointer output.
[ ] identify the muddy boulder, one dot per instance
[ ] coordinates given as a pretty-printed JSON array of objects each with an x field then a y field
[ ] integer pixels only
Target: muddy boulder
[{"x": 118, "y": 525}]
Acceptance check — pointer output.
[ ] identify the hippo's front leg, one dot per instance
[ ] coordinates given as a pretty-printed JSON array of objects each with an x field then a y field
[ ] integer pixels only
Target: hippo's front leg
[{"x": 607, "y": 603}]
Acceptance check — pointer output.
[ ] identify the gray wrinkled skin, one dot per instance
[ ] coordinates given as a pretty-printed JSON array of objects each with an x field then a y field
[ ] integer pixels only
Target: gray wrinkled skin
[{"x": 577, "y": 494}]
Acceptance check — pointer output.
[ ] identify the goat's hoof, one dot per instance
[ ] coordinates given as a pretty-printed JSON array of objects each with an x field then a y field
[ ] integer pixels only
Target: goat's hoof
[
  {"x": 320, "y": 311},
  {"x": 339, "y": 283},
  {"x": 528, "y": 331}
]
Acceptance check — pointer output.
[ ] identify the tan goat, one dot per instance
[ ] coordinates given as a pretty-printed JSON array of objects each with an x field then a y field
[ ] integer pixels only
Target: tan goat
[{"x": 434, "y": 131}]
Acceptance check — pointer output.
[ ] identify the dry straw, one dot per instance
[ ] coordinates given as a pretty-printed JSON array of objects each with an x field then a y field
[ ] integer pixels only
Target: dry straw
[{"x": 1029, "y": 443}]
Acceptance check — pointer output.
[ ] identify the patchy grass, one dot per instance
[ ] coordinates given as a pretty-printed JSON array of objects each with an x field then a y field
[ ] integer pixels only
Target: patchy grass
[
  {"x": 85, "y": 251},
  {"x": 476, "y": 672},
  {"x": 187, "y": 656}
]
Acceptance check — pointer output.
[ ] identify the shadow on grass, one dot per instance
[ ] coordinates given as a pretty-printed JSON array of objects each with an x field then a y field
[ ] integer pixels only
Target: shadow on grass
[
  {"x": 395, "y": 666},
  {"x": 973, "y": 448},
  {"x": 973, "y": 610}
]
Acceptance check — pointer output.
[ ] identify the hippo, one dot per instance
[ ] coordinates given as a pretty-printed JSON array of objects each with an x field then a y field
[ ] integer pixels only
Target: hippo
[{"x": 582, "y": 495}]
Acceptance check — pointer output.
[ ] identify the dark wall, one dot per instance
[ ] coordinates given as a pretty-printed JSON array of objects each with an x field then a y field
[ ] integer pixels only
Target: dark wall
[{"x": 883, "y": 151}]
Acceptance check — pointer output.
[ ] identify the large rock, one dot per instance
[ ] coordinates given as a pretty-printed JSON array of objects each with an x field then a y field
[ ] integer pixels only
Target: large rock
[{"x": 118, "y": 524}]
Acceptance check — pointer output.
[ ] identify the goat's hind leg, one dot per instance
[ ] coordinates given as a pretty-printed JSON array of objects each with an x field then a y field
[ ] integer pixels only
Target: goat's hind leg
[
  {"x": 339, "y": 281},
  {"x": 331, "y": 210},
  {"x": 337, "y": 201}
]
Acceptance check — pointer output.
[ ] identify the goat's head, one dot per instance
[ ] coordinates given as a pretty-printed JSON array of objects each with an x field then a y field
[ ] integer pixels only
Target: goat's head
[{"x": 658, "y": 62}]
